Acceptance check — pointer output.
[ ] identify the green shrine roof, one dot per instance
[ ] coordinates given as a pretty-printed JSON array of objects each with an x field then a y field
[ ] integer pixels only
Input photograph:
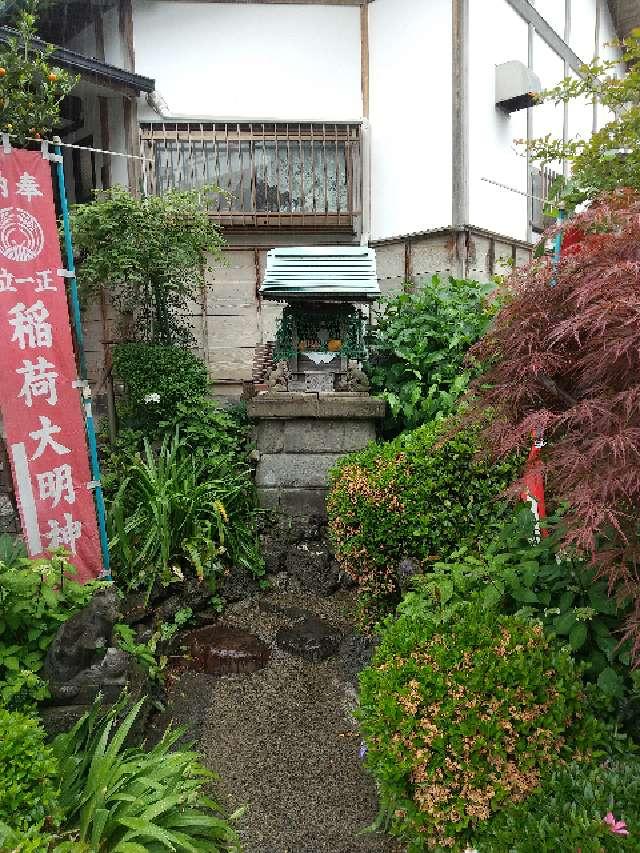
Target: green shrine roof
[{"x": 336, "y": 272}]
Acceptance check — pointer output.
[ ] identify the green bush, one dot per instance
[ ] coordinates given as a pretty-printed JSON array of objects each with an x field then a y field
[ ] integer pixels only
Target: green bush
[
  {"x": 567, "y": 813},
  {"x": 462, "y": 712},
  {"x": 28, "y": 774},
  {"x": 412, "y": 498},
  {"x": 175, "y": 512},
  {"x": 119, "y": 798},
  {"x": 418, "y": 346},
  {"x": 157, "y": 379},
  {"x": 36, "y": 596},
  {"x": 516, "y": 574}
]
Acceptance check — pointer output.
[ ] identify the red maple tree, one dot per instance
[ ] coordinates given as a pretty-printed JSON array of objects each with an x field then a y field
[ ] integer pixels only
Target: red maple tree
[{"x": 564, "y": 358}]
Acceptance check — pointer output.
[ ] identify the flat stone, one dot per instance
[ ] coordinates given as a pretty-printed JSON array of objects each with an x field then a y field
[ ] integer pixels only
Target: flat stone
[
  {"x": 312, "y": 564},
  {"x": 312, "y": 639},
  {"x": 304, "y": 502},
  {"x": 295, "y": 470},
  {"x": 312, "y": 435},
  {"x": 223, "y": 650}
]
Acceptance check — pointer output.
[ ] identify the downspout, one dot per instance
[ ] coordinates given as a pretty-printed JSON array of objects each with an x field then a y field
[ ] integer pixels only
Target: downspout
[{"x": 460, "y": 130}]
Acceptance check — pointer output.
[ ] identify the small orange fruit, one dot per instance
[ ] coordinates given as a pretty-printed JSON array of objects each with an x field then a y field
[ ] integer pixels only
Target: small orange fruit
[
  {"x": 53, "y": 77},
  {"x": 3, "y": 71}
]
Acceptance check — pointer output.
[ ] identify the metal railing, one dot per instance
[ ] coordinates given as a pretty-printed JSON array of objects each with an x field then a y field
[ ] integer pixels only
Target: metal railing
[
  {"x": 278, "y": 174},
  {"x": 541, "y": 183}
]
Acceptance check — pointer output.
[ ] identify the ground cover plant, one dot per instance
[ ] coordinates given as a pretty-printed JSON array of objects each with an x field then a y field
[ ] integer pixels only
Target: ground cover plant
[
  {"x": 462, "y": 711},
  {"x": 36, "y": 597},
  {"x": 565, "y": 360},
  {"x": 418, "y": 344},
  {"x": 413, "y": 500}
]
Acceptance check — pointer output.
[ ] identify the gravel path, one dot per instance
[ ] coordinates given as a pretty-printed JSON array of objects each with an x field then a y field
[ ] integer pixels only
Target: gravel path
[{"x": 283, "y": 740}]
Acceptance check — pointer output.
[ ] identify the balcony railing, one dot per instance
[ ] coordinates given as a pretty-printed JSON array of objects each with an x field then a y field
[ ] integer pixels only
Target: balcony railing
[
  {"x": 268, "y": 174},
  {"x": 542, "y": 181}
]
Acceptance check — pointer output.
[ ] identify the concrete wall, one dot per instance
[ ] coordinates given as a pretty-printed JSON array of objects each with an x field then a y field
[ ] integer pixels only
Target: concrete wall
[
  {"x": 239, "y": 60},
  {"x": 410, "y": 112}
]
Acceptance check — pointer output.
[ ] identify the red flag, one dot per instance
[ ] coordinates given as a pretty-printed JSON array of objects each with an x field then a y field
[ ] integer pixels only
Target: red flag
[{"x": 39, "y": 398}]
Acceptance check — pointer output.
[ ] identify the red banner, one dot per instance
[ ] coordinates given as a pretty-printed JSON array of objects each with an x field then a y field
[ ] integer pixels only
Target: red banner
[{"x": 39, "y": 395}]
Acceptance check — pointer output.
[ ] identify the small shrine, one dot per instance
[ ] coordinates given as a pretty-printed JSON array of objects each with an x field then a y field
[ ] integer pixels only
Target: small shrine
[
  {"x": 311, "y": 404},
  {"x": 320, "y": 343}
]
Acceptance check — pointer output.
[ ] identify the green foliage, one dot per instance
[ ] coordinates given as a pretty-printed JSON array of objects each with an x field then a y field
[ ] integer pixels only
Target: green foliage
[
  {"x": 121, "y": 799},
  {"x": 568, "y": 811},
  {"x": 31, "y": 89},
  {"x": 12, "y": 549},
  {"x": 174, "y": 513},
  {"x": 462, "y": 710},
  {"x": 153, "y": 254},
  {"x": 148, "y": 655},
  {"x": 516, "y": 574},
  {"x": 412, "y": 498},
  {"x": 610, "y": 158},
  {"x": 157, "y": 380},
  {"x": 36, "y": 596},
  {"x": 211, "y": 433},
  {"x": 28, "y": 774},
  {"x": 418, "y": 346}
]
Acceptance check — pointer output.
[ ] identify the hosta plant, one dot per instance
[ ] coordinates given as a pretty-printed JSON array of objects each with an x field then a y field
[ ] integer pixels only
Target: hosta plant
[{"x": 461, "y": 713}]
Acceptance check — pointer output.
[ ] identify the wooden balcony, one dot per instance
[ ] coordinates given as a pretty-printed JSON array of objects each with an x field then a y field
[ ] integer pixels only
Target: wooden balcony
[{"x": 269, "y": 175}]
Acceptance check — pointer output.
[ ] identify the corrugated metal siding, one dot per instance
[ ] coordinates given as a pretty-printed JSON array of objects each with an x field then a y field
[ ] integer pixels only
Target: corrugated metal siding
[{"x": 341, "y": 271}]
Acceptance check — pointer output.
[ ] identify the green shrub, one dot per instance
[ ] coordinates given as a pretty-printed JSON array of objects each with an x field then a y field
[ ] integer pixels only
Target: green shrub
[
  {"x": 418, "y": 346},
  {"x": 516, "y": 574},
  {"x": 36, "y": 596},
  {"x": 175, "y": 512},
  {"x": 157, "y": 379},
  {"x": 462, "y": 712},
  {"x": 120, "y": 798},
  {"x": 28, "y": 773},
  {"x": 412, "y": 498},
  {"x": 568, "y": 812}
]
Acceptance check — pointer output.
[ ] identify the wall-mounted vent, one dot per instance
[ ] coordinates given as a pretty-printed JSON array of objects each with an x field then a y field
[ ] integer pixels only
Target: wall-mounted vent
[
  {"x": 340, "y": 272},
  {"x": 516, "y": 86}
]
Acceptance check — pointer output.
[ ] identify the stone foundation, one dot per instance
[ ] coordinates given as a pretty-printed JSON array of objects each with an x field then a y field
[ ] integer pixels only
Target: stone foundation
[{"x": 299, "y": 438}]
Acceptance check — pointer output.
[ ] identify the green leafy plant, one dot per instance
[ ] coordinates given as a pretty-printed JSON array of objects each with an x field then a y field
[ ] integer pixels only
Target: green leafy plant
[
  {"x": 12, "y": 549},
  {"x": 419, "y": 497},
  {"x": 418, "y": 345},
  {"x": 609, "y": 158},
  {"x": 157, "y": 380},
  {"x": 121, "y": 799},
  {"x": 173, "y": 514},
  {"x": 461, "y": 712},
  {"x": 148, "y": 654},
  {"x": 31, "y": 88},
  {"x": 568, "y": 812},
  {"x": 28, "y": 774},
  {"x": 153, "y": 253},
  {"x": 36, "y": 596}
]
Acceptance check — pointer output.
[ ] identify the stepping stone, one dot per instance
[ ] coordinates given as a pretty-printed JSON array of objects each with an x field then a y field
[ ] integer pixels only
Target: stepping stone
[
  {"x": 312, "y": 639},
  {"x": 222, "y": 650}
]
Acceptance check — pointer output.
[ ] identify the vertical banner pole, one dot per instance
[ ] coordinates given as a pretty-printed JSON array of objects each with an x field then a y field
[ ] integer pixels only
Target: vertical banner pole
[{"x": 86, "y": 391}]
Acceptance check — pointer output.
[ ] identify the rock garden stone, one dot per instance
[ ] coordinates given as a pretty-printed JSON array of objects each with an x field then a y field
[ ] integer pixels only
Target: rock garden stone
[
  {"x": 311, "y": 638},
  {"x": 223, "y": 650}
]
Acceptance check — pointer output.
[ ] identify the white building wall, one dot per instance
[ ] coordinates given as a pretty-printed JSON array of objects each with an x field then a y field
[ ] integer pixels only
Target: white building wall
[
  {"x": 497, "y": 34},
  {"x": 243, "y": 60},
  {"x": 410, "y": 112}
]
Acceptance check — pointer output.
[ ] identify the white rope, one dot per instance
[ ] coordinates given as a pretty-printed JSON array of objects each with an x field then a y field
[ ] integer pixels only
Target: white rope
[
  {"x": 519, "y": 192},
  {"x": 80, "y": 147}
]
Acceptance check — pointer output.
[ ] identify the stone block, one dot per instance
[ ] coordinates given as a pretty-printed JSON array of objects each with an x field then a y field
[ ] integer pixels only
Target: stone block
[
  {"x": 304, "y": 502},
  {"x": 295, "y": 470},
  {"x": 283, "y": 404},
  {"x": 270, "y": 436},
  {"x": 356, "y": 406}
]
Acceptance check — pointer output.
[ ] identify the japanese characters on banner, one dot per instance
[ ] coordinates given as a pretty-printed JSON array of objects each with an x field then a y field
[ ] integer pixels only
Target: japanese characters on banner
[{"x": 39, "y": 398}]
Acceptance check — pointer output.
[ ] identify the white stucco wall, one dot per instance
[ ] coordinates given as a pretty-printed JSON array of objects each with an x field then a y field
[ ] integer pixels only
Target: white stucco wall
[
  {"x": 239, "y": 60},
  {"x": 410, "y": 112},
  {"x": 497, "y": 34}
]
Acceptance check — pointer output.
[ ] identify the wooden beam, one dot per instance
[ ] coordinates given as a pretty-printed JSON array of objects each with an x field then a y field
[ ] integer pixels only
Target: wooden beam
[
  {"x": 364, "y": 57},
  {"x": 460, "y": 112},
  {"x": 125, "y": 25}
]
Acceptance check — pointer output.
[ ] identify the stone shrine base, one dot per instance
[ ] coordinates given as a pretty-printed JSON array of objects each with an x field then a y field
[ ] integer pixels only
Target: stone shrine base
[{"x": 299, "y": 438}]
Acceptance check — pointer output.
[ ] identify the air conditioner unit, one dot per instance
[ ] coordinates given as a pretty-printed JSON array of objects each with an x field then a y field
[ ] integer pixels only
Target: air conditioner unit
[{"x": 516, "y": 86}]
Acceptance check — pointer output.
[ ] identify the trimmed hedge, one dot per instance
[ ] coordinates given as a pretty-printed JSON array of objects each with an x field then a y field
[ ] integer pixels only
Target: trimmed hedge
[
  {"x": 413, "y": 498},
  {"x": 461, "y": 714}
]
